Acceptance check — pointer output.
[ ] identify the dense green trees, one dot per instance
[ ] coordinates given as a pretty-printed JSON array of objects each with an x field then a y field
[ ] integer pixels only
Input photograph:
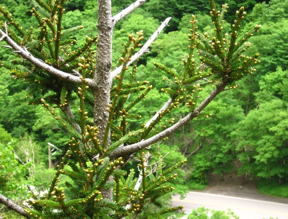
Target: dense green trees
[
  {"x": 261, "y": 136},
  {"x": 261, "y": 141},
  {"x": 204, "y": 213}
]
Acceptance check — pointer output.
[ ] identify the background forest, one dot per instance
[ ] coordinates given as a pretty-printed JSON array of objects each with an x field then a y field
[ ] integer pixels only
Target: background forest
[{"x": 248, "y": 124}]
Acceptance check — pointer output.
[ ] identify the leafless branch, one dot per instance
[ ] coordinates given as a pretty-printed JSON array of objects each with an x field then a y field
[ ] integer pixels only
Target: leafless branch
[
  {"x": 148, "y": 155},
  {"x": 22, "y": 51},
  {"x": 140, "y": 178},
  {"x": 127, "y": 11},
  {"x": 143, "y": 49},
  {"x": 8, "y": 47},
  {"x": 2, "y": 37},
  {"x": 155, "y": 166},
  {"x": 142, "y": 144},
  {"x": 10, "y": 204},
  {"x": 164, "y": 107},
  {"x": 193, "y": 152},
  {"x": 18, "y": 158}
]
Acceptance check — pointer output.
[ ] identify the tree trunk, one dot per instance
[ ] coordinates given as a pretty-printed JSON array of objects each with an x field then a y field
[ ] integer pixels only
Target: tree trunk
[
  {"x": 279, "y": 180},
  {"x": 101, "y": 92},
  {"x": 103, "y": 66}
]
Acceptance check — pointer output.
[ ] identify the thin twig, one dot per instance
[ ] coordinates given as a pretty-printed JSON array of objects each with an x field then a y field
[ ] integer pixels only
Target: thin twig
[
  {"x": 164, "y": 107},
  {"x": 142, "y": 50},
  {"x": 147, "y": 155},
  {"x": 127, "y": 11},
  {"x": 193, "y": 152}
]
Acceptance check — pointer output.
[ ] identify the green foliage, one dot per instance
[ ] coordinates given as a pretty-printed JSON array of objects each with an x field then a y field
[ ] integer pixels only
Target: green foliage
[
  {"x": 46, "y": 129},
  {"x": 10, "y": 214},
  {"x": 204, "y": 21},
  {"x": 261, "y": 139},
  {"x": 203, "y": 213},
  {"x": 83, "y": 192},
  {"x": 140, "y": 114},
  {"x": 12, "y": 181},
  {"x": 275, "y": 83},
  {"x": 17, "y": 117},
  {"x": 83, "y": 189},
  {"x": 261, "y": 135},
  {"x": 273, "y": 11},
  {"x": 164, "y": 157},
  {"x": 5, "y": 137},
  {"x": 176, "y": 9},
  {"x": 272, "y": 187},
  {"x": 72, "y": 19},
  {"x": 48, "y": 51},
  {"x": 21, "y": 167},
  {"x": 42, "y": 177},
  {"x": 208, "y": 143},
  {"x": 222, "y": 56},
  {"x": 273, "y": 53}
]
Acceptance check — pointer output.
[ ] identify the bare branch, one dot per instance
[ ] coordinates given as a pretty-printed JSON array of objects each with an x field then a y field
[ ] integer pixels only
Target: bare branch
[
  {"x": 10, "y": 204},
  {"x": 148, "y": 155},
  {"x": 193, "y": 152},
  {"x": 8, "y": 47},
  {"x": 18, "y": 158},
  {"x": 22, "y": 51},
  {"x": 140, "y": 178},
  {"x": 164, "y": 107},
  {"x": 155, "y": 166},
  {"x": 142, "y": 50},
  {"x": 142, "y": 144},
  {"x": 2, "y": 37},
  {"x": 127, "y": 11}
]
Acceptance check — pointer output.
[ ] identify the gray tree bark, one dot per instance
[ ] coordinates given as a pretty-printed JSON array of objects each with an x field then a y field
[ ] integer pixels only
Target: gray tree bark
[
  {"x": 10, "y": 204},
  {"x": 101, "y": 92},
  {"x": 102, "y": 80}
]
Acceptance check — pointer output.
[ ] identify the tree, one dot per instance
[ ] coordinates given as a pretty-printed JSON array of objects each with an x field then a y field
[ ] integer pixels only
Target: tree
[
  {"x": 261, "y": 136},
  {"x": 203, "y": 213},
  {"x": 62, "y": 78},
  {"x": 212, "y": 137},
  {"x": 11, "y": 173}
]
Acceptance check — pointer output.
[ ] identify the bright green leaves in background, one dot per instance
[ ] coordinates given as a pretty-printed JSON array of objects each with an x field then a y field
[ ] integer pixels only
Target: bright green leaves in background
[
  {"x": 204, "y": 213},
  {"x": 12, "y": 174},
  {"x": 262, "y": 135}
]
